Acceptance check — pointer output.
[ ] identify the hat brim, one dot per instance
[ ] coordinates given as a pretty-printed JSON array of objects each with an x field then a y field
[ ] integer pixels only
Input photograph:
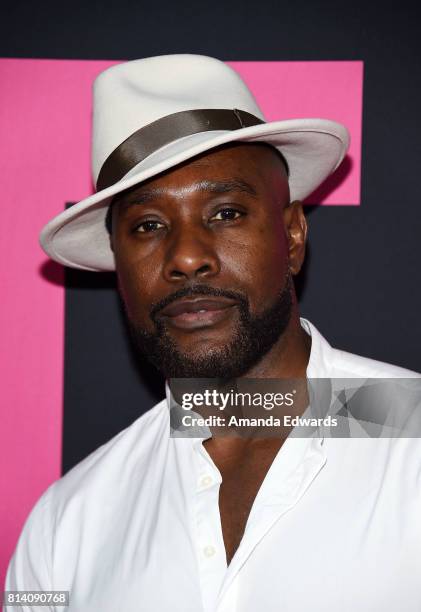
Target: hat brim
[{"x": 313, "y": 149}]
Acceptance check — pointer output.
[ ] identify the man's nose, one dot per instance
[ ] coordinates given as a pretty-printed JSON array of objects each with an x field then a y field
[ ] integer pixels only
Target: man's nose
[{"x": 191, "y": 255}]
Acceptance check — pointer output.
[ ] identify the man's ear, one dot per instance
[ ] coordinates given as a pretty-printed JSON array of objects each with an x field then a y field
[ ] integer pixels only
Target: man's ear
[
  {"x": 110, "y": 223},
  {"x": 296, "y": 231}
]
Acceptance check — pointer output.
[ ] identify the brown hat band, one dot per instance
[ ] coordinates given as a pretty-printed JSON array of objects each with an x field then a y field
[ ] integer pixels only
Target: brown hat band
[{"x": 155, "y": 135}]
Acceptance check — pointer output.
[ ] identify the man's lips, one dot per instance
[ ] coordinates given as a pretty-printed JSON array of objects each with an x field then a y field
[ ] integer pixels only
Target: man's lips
[{"x": 197, "y": 312}]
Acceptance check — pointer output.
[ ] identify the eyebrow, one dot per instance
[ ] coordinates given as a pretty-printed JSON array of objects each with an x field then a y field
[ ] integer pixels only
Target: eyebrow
[{"x": 207, "y": 186}]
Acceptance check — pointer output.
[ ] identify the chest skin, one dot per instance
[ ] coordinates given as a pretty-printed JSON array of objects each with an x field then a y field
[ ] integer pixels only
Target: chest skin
[{"x": 243, "y": 466}]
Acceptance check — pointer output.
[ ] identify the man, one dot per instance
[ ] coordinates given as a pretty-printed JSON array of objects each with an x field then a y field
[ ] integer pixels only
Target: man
[{"x": 198, "y": 211}]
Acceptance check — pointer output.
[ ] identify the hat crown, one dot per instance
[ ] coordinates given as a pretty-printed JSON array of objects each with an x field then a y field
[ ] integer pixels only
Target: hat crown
[{"x": 129, "y": 96}]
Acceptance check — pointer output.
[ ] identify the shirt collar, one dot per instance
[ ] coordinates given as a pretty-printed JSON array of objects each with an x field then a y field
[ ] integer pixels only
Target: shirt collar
[{"x": 320, "y": 361}]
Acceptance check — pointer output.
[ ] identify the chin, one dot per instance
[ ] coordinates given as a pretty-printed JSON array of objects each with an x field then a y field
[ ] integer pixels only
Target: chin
[
  {"x": 203, "y": 344},
  {"x": 212, "y": 360}
]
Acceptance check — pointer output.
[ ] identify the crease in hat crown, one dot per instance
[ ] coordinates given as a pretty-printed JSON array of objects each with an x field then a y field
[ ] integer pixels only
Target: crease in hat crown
[
  {"x": 131, "y": 96},
  {"x": 165, "y": 85}
]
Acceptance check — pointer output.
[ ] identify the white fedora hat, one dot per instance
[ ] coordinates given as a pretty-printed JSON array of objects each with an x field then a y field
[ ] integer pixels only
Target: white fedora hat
[{"x": 150, "y": 115}]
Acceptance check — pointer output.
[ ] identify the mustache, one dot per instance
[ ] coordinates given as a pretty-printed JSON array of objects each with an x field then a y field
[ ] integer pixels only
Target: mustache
[{"x": 194, "y": 290}]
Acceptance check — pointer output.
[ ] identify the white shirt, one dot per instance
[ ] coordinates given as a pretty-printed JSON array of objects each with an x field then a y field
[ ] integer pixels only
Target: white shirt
[{"x": 135, "y": 527}]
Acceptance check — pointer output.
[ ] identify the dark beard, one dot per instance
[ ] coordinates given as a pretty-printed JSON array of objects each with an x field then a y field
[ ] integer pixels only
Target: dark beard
[{"x": 253, "y": 338}]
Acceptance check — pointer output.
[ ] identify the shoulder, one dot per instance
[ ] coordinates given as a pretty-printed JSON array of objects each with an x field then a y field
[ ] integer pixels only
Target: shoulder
[
  {"x": 349, "y": 364},
  {"x": 329, "y": 362},
  {"x": 83, "y": 493},
  {"x": 108, "y": 464}
]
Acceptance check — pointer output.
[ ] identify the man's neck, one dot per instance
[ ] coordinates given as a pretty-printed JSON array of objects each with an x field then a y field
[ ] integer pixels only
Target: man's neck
[
  {"x": 244, "y": 462},
  {"x": 289, "y": 356}
]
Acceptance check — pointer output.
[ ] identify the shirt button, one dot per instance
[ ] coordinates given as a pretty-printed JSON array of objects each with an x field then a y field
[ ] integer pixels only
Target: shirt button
[
  {"x": 209, "y": 551},
  {"x": 206, "y": 481}
]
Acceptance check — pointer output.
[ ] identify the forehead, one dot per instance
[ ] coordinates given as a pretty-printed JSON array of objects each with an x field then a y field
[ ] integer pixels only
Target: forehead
[{"x": 237, "y": 166}]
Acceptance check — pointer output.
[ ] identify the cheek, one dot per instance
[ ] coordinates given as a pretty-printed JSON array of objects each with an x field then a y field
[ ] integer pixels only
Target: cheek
[
  {"x": 260, "y": 261},
  {"x": 136, "y": 280},
  {"x": 272, "y": 251}
]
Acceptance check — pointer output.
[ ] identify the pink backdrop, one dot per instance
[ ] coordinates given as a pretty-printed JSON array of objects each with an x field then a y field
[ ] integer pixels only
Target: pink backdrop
[{"x": 45, "y": 158}]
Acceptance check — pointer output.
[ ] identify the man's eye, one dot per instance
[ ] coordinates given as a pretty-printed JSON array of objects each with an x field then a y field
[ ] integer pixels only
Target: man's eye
[
  {"x": 227, "y": 214},
  {"x": 149, "y": 226}
]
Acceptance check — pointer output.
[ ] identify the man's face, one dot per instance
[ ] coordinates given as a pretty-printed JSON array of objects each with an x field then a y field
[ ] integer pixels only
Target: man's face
[{"x": 204, "y": 255}]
